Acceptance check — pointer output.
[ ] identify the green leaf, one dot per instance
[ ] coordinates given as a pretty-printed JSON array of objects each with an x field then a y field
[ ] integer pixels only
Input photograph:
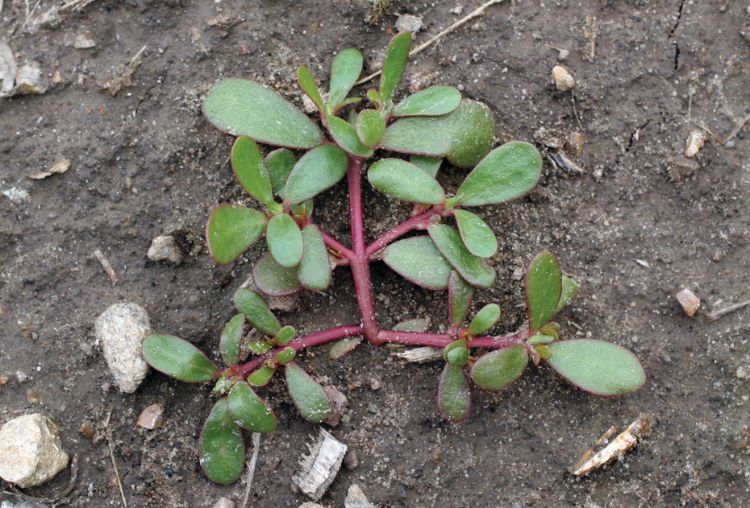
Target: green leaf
[
  {"x": 303, "y": 210},
  {"x": 417, "y": 260},
  {"x": 432, "y": 101},
  {"x": 261, "y": 377},
  {"x": 309, "y": 397},
  {"x": 259, "y": 346},
  {"x": 314, "y": 271},
  {"x": 279, "y": 164},
  {"x": 244, "y": 108},
  {"x": 470, "y": 267},
  {"x": 402, "y": 180},
  {"x": 396, "y": 57},
  {"x": 316, "y": 171},
  {"x": 412, "y": 325},
  {"x": 229, "y": 343},
  {"x": 540, "y": 339},
  {"x": 463, "y": 136},
  {"x": 596, "y": 366},
  {"x": 429, "y": 165},
  {"x": 307, "y": 84},
  {"x": 285, "y": 356},
  {"x": 345, "y": 135},
  {"x": 570, "y": 288},
  {"x": 284, "y": 240},
  {"x": 250, "y": 169},
  {"x": 254, "y": 307},
  {"x": 178, "y": 358},
  {"x": 454, "y": 395},
  {"x": 484, "y": 319},
  {"x": 497, "y": 369},
  {"x": 507, "y": 172},
  {"x": 285, "y": 335},
  {"x": 459, "y": 298},
  {"x": 543, "y": 288},
  {"x": 273, "y": 279},
  {"x": 248, "y": 410},
  {"x": 343, "y": 346},
  {"x": 476, "y": 234},
  {"x": 345, "y": 70},
  {"x": 222, "y": 447},
  {"x": 370, "y": 127},
  {"x": 231, "y": 230},
  {"x": 456, "y": 353}
]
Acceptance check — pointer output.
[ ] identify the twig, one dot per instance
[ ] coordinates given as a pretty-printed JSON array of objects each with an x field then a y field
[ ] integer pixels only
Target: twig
[
  {"x": 114, "y": 464},
  {"x": 716, "y": 314},
  {"x": 737, "y": 129},
  {"x": 473, "y": 14},
  {"x": 251, "y": 469},
  {"x": 31, "y": 13},
  {"x": 107, "y": 267}
]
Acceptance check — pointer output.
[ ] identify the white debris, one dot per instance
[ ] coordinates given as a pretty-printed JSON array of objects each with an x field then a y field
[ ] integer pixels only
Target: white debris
[
  {"x": 164, "y": 248},
  {"x": 224, "y": 503},
  {"x": 408, "y": 23},
  {"x": 618, "y": 447},
  {"x": 121, "y": 330},
  {"x": 30, "y": 451},
  {"x": 84, "y": 41},
  {"x": 151, "y": 417},
  {"x": 57, "y": 168},
  {"x": 424, "y": 354},
  {"x": 16, "y": 195},
  {"x": 694, "y": 143},
  {"x": 355, "y": 498},
  {"x": 308, "y": 504},
  {"x": 563, "y": 79},
  {"x": 457, "y": 10},
  {"x": 689, "y": 301},
  {"x": 29, "y": 80},
  {"x": 643, "y": 263},
  {"x": 7, "y": 70},
  {"x": 320, "y": 467}
]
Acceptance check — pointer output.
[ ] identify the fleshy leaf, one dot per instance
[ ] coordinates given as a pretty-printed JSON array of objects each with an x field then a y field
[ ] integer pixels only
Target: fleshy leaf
[
  {"x": 314, "y": 270},
  {"x": 417, "y": 260},
  {"x": 370, "y": 127},
  {"x": 229, "y": 343},
  {"x": 316, "y": 171},
  {"x": 222, "y": 447},
  {"x": 245, "y": 108},
  {"x": 463, "y": 136},
  {"x": 307, "y": 84},
  {"x": 454, "y": 395},
  {"x": 279, "y": 164},
  {"x": 396, "y": 57},
  {"x": 248, "y": 410},
  {"x": 432, "y": 101},
  {"x": 250, "y": 169},
  {"x": 303, "y": 210},
  {"x": 402, "y": 180},
  {"x": 476, "y": 234},
  {"x": 254, "y": 307},
  {"x": 343, "y": 347},
  {"x": 497, "y": 369},
  {"x": 285, "y": 356},
  {"x": 261, "y": 377},
  {"x": 570, "y": 288},
  {"x": 543, "y": 288},
  {"x": 345, "y": 135},
  {"x": 345, "y": 70},
  {"x": 259, "y": 346},
  {"x": 460, "y": 293},
  {"x": 429, "y": 165},
  {"x": 456, "y": 353},
  {"x": 178, "y": 358},
  {"x": 412, "y": 325},
  {"x": 231, "y": 230},
  {"x": 596, "y": 366},
  {"x": 273, "y": 279},
  {"x": 472, "y": 268},
  {"x": 507, "y": 172},
  {"x": 484, "y": 319},
  {"x": 309, "y": 397},
  {"x": 284, "y": 240},
  {"x": 285, "y": 335}
]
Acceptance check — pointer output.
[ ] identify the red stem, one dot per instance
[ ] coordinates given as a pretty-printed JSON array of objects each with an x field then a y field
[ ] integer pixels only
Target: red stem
[
  {"x": 440, "y": 340},
  {"x": 420, "y": 221},
  {"x": 336, "y": 246}
]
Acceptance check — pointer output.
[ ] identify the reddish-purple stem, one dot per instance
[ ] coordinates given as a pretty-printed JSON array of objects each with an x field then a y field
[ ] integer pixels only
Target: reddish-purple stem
[
  {"x": 420, "y": 221},
  {"x": 336, "y": 246},
  {"x": 440, "y": 340}
]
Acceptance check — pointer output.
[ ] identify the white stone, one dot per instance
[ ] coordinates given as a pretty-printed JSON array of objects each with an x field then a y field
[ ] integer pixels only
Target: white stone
[
  {"x": 30, "y": 451},
  {"x": 29, "y": 80},
  {"x": 696, "y": 139},
  {"x": 408, "y": 23},
  {"x": 121, "y": 330},
  {"x": 224, "y": 503},
  {"x": 355, "y": 498},
  {"x": 84, "y": 41},
  {"x": 563, "y": 79},
  {"x": 164, "y": 248}
]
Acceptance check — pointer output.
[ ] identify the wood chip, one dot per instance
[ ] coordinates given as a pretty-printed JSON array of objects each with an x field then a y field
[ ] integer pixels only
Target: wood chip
[
  {"x": 57, "y": 168},
  {"x": 424, "y": 354},
  {"x": 320, "y": 467},
  {"x": 594, "y": 459}
]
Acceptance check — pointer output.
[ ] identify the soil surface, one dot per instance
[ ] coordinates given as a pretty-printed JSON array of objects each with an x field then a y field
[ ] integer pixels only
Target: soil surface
[{"x": 640, "y": 223}]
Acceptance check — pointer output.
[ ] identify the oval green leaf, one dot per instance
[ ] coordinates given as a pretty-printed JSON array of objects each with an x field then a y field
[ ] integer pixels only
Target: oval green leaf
[
  {"x": 412, "y": 325},
  {"x": 429, "y": 165},
  {"x": 178, "y": 358},
  {"x": 417, "y": 260},
  {"x": 476, "y": 234},
  {"x": 596, "y": 366},
  {"x": 222, "y": 447},
  {"x": 454, "y": 395},
  {"x": 314, "y": 270},
  {"x": 570, "y": 288},
  {"x": 484, "y": 319},
  {"x": 432, "y": 101},
  {"x": 284, "y": 240},
  {"x": 345, "y": 70},
  {"x": 370, "y": 127},
  {"x": 307, "y": 84},
  {"x": 402, "y": 180},
  {"x": 261, "y": 377},
  {"x": 231, "y": 230},
  {"x": 248, "y": 410},
  {"x": 285, "y": 335},
  {"x": 250, "y": 169},
  {"x": 396, "y": 57},
  {"x": 309, "y": 397},
  {"x": 507, "y": 172},
  {"x": 318, "y": 170},
  {"x": 470, "y": 267},
  {"x": 497, "y": 369},
  {"x": 279, "y": 164},
  {"x": 543, "y": 289},
  {"x": 229, "y": 343},
  {"x": 345, "y": 135},
  {"x": 272, "y": 279},
  {"x": 254, "y": 307},
  {"x": 244, "y": 108},
  {"x": 460, "y": 293}
]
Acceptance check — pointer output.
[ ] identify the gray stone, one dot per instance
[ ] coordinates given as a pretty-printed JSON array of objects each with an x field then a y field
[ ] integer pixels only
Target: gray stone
[
  {"x": 29, "y": 80},
  {"x": 165, "y": 248},
  {"x": 121, "y": 330},
  {"x": 224, "y": 503},
  {"x": 408, "y": 23},
  {"x": 30, "y": 451},
  {"x": 355, "y": 498}
]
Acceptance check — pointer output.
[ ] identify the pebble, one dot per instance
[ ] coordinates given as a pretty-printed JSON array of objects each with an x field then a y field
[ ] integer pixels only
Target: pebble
[
  {"x": 30, "y": 451},
  {"x": 29, "y": 80},
  {"x": 151, "y": 417},
  {"x": 351, "y": 460},
  {"x": 164, "y": 248},
  {"x": 224, "y": 503},
  {"x": 742, "y": 372},
  {"x": 84, "y": 41},
  {"x": 355, "y": 498},
  {"x": 563, "y": 79},
  {"x": 689, "y": 301},
  {"x": 694, "y": 143},
  {"x": 16, "y": 195},
  {"x": 7, "y": 70},
  {"x": 408, "y": 23},
  {"x": 338, "y": 404},
  {"x": 121, "y": 330},
  {"x": 311, "y": 505}
]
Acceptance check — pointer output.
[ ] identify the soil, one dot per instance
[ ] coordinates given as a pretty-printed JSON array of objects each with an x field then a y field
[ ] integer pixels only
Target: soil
[{"x": 636, "y": 226}]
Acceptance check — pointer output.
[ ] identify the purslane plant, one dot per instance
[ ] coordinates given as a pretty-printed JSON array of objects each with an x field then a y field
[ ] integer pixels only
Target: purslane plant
[{"x": 449, "y": 251}]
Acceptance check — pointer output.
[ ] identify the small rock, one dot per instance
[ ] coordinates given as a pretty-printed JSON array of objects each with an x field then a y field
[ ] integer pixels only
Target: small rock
[
  {"x": 355, "y": 498},
  {"x": 29, "y": 80},
  {"x": 338, "y": 404},
  {"x": 7, "y": 70},
  {"x": 574, "y": 143},
  {"x": 694, "y": 143},
  {"x": 84, "y": 41},
  {"x": 4, "y": 380},
  {"x": 164, "y": 248},
  {"x": 308, "y": 504},
  {"x": 57, "y": 78},
  {"x": 16, "y": 195},
  {"x": 742, "y": 372},
  {"x": 563, "y": 79},
  {"x": 308, "y": 105},
  {"x": 87, "y": 430},
  {"x": 457, "y": 10},
  {"x": 21, "y": 376},
  {"x": 151, "y": 417},
  {"x": 408, "y": 23},
  {"x": 351, "y": 460},
  {"x": 121, "y": 329},
  {"x": 30, "y": 451},
  {"x": 562, "y": 54},
  {"x": 689, "y": 301},
  {"x": 375, "y": 383},
  {"x": 224, "y": 503}
]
